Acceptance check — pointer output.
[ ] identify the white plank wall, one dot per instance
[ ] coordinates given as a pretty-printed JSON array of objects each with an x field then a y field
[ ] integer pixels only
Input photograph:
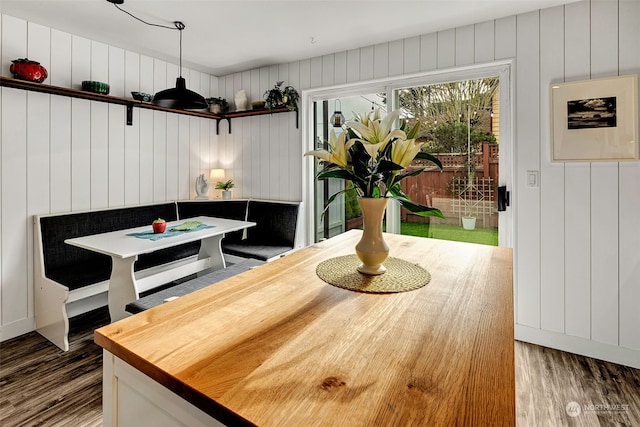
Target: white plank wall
[
  {"x": 59, "y": 154},
  {"x": 577, "y": 235}
]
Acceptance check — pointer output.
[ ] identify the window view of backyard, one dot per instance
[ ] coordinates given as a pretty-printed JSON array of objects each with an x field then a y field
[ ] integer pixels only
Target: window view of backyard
[{"x": 460, "y": 126}]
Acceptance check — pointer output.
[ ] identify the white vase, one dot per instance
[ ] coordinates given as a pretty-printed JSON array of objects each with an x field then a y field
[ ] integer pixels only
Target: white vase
[
  {"x": 241, "y": 100},
  {"x": 372, "y": 250},
  {"x": 226, "y": 194}
]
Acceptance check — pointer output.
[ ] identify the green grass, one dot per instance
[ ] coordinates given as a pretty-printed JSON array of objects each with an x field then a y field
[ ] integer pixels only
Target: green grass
[{"x": 485, "y": 236}]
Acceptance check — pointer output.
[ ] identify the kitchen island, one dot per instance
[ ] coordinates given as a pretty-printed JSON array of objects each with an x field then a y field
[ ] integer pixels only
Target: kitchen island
[{"x": 277, "y": 346}]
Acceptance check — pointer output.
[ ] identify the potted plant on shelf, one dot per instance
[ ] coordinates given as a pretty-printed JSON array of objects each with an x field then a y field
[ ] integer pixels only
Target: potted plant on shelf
[
  {"x": 225, "y": 187},
  {"x": 218, "y": 105},
  {"x": 279, "y": 97}
]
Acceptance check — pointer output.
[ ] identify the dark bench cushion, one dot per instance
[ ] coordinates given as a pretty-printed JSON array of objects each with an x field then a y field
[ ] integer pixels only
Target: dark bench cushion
[
  {"x": 273, "y": 235},
  {"x": 192, "y": 285},
  {"x": 228, "y": 209},
  {"x": 76, "y": 267}
]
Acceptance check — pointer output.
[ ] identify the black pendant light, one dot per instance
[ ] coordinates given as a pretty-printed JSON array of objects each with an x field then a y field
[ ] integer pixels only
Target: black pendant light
[{"x": 179, "y": 98}]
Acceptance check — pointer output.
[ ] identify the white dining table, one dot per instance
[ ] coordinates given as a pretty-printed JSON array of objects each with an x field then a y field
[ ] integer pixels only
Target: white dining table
[{"x": 125, "y": 284}]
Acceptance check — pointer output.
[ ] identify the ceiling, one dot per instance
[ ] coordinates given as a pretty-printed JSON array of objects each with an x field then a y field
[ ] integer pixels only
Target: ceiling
[{"x": 226, "y": 36}]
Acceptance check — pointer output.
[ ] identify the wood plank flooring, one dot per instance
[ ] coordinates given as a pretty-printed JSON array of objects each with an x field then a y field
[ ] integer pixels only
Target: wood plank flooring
[{"x": 42, "y": 386}]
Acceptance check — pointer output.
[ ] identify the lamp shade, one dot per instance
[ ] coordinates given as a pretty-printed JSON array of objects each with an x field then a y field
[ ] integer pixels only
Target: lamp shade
[
  {"x": 179, "y": 98},
  {"x": 216, "y": 175}
]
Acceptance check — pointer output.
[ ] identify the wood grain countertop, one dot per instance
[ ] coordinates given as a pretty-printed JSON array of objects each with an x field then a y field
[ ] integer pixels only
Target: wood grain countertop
[{"x": 277, "y": 346}]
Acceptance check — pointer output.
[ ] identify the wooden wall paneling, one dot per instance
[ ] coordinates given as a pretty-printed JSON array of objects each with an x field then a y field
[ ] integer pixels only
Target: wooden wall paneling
[
  {"x": 552, "y": 301},
  {"x": 287, "y": 152},
  {"x": 117, "y": 73},
  {"x": 577, "y": 187},
  {"x": 340, "y": 69},
  {"x": 465, "y": 45},
  {"x": 184, "y": 153},
  {"x": 629, "y": 196},
  {"x": 411, "y": 55},
  {"x": 161, "y": 81},
  {"x": 117, "y": 123},
  {"x": 604, "y": 191},
  {"x": 295, "y": 136},
  {"x": 60, "y": 125},
  {"x": 273, "y": 137},
  {"x": 381, "y": 60},
  {"x": 484, "y": 41},
  {"x": 353, "y": 66},
  {"x": 194, "y": 142},
  {"x": 505, "y": 37},
  {"x": 429, "y": 52},
  {"x": 528, "y": 158},
  {"x": 99, "y": 154},
  {"x": 38, "y": 150},
  {"x": 366, "y": 63},
  {"x": 131, "y": 171},
  {"x": 99, "y": 130},
  {"x": 147, "y": 85},
  {"x": 160, "y": 155},
  {"x": 80, "y": 126},
  {"x": 328, "y": 70},
  {"x": 13, "y": 182},
  {"x": 146, "y": 75},
  {"x": 80, "y": 154},
  {"x": 173, "y": 156},
  {"x": 116, "y": 157},
  {"x": 146, "y": 155},
  {"x": 60, "y": 68},
  {"x": 446, "y": 52},
  {"x": 395, "y": 58},
  {"x": 14, "y": 207}
]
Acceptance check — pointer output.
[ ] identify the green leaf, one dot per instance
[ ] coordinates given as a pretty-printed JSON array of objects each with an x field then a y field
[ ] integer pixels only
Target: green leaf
[
  {"x": 333, "y": 197},
  {"x": 417, "y": 209},
  {"x": 413, "y": 133},
  {"x": 426, "y": 156}
]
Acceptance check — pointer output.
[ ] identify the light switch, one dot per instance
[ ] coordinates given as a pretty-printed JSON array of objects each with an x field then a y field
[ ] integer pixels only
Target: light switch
[{"x": 533, "y": 178}]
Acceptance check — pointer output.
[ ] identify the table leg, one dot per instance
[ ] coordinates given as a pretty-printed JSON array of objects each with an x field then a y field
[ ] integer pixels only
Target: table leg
[
  {"x": 122, "y": 287},
  {"x": 211, "y": 247}
]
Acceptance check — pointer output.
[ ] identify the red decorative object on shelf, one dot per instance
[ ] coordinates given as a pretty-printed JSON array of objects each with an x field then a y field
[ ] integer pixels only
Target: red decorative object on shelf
[{"x": 26, "y": 69}]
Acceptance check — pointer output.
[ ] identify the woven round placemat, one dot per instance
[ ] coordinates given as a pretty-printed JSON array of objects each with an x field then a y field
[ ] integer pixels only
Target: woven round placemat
[{"x": 401, "y": 275}]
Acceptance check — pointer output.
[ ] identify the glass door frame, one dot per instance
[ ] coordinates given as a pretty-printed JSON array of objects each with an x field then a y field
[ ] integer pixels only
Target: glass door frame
[{"x": 500, "y": 69}]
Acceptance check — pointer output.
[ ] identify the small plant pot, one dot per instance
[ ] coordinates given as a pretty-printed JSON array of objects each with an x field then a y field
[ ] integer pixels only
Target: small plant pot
[
  {"x": 226, "y": 195},
  {"x": 469, "y": 222}
]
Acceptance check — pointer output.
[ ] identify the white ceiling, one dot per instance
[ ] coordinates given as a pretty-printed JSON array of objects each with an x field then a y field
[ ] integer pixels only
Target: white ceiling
[{"x": 226, "y": 36}]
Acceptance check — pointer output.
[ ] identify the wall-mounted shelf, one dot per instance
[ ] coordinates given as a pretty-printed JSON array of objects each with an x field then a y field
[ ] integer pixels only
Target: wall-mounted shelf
[{"x": 130, "y": 103}]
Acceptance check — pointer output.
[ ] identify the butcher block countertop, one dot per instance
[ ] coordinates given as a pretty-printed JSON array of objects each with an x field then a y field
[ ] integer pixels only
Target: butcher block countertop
[{"x": 277, "y": 346}]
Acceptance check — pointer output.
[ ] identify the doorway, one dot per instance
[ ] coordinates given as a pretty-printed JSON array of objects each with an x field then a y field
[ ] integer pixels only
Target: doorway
[{"x": 320, "y": 105}]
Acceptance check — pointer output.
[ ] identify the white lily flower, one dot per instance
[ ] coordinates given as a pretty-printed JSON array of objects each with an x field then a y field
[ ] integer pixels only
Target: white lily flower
[
  {"x": 338, "y": 153},
  {"x": 404, "y": 151}
]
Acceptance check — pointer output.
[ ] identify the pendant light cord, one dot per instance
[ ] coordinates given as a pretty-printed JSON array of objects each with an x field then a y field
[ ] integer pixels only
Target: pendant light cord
[
  {"x": 149, "y": 23},
  {"x": 177, "y": 25}
]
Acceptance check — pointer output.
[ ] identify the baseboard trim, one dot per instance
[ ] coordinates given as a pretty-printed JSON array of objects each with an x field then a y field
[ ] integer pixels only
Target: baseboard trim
[
  {"x": 17, "y": 328},
  {"x": 577, "y": 345}
]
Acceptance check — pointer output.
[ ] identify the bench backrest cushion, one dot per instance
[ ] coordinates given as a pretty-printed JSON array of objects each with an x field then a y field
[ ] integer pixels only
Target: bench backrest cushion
[
  {"x": 276, "y": 223},
  {"x": 76, "y": 267},
  {"x": 228, "y": 209}
]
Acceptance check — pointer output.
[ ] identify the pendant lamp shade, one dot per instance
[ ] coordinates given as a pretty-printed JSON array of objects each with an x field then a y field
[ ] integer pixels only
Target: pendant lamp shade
[{"x": 179, "y": 98}]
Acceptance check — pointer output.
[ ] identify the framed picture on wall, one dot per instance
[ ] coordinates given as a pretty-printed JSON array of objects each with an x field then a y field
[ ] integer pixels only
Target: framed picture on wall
[{"x": 595, "y": 120}]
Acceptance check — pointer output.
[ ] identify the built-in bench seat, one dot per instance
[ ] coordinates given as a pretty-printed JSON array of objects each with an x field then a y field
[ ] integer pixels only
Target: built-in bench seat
[
  {"x": 189, "y": 286},
  {"x": 69, "y": 280},
  {"x": 273, "y": 236}
]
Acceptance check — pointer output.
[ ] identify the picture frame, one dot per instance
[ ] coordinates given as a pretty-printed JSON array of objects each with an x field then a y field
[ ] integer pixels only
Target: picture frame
[{"x": 595, "y": 120}]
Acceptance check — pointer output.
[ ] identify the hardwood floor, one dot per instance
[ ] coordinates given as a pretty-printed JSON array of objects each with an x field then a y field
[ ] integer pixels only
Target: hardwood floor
[{"x": 41, "y": 385}]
